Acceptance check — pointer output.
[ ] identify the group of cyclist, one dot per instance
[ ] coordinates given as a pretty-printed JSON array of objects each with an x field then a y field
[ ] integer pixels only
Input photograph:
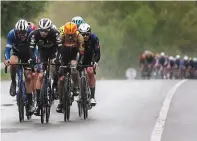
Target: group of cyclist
[
  {"x": 72, "y": 43},
  {"x": 168, "y": 67}
]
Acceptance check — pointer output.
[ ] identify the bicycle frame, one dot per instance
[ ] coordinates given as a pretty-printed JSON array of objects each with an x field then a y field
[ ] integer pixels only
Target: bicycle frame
[{"x": 21, "y": 83}]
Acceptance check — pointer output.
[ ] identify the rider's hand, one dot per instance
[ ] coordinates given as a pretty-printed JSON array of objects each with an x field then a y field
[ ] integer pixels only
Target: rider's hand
[
  {"x": 95, "y": 65},
  {"x": 7, "y": 62},
  {"x": 31, "y": 61},
  {"x": 56, "y": 61}
]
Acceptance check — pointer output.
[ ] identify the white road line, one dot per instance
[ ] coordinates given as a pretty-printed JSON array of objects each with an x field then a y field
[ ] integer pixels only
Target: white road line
[{"x": 159, "y": 126}]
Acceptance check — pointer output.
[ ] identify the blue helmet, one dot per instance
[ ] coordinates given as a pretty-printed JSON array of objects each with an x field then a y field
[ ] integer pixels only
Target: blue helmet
[{"x": 77, "y": 20}]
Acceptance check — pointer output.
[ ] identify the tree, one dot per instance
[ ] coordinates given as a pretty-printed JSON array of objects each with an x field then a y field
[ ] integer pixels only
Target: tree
[{"x": 12, "y": 11}]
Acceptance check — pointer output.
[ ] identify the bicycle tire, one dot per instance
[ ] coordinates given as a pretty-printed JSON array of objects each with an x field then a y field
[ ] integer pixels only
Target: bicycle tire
[
  {"x": 47, "y": 109},
  {"x": 65, "y": 97},
  {"x": 67, "y": 93},
  {"x": 84, "y": 97},
  {"x": 20, "y": 104},
  {"x": 42, "y": 105},
  {"x": 79, "y": 108}
]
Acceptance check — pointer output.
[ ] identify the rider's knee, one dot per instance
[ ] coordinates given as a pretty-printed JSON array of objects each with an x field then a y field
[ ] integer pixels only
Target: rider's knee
[
  {"x": 40, "y": 76},
  {"x": 61, "y": 79},
  {"x": 13, "y": 59},
  {"x": 90, "y": 71},
  {"x": 34, "y": 75},
  {"x": 28, "y": 76}
]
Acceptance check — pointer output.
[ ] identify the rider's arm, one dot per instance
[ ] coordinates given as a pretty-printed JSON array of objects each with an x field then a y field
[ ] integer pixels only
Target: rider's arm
[
  {"x": 81, "y": 48},
  {"x": 9, "y": 44},
  {"x": 97, "y": 51},
  {"x": 32, "y": 45}
]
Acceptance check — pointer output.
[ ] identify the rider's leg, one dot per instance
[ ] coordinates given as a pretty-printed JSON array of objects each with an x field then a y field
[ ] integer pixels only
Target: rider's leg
[
  {"x": 75, "y": 78},
  {"x": 13, "y": 68},
  {"x": 92, "y": 83},
  {"x": 29, "y": 88},
  {"x": 38, "y": 87},
  {"x": 54, "y": 76}
]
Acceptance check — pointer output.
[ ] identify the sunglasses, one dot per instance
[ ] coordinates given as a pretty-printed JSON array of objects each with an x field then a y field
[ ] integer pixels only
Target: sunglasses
[
  {"x": 22, "y": 32},
  {"x": 44, "y": 30},
  {"x": 85, "y": 34}
]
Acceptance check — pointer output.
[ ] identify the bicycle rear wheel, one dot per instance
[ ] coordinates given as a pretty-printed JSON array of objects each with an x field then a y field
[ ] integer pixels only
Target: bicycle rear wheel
[
  {"x": 84, "y": 98},
  {"x": 20, "y": 104}
]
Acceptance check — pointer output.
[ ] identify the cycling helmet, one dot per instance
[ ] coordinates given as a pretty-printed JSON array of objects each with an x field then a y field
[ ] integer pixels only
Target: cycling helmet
[
  {"x": 195, "y": 59},
  {"x": 70, "y": 28},
  {"x": 162, "y": 54},
  {"x": 22, "y": 25},
  {"x": 77, "y": 20},
  {"x": 84, "y": 28},
  {"x": 61, "y": 30},
  {"x": 32, "y": 26},
  {"x": 45, "y": 23},
  {"x": 185, "y": 58},
  {"x": 171, "y": 58},
  {"x": 177, "y": 56}
]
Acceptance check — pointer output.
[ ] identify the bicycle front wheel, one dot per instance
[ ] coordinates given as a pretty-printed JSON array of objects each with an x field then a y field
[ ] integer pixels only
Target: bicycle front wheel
[
  {"x": 20, "y": 104},
  {"x": 42, "y": 104},
  {"x": 66, "y": 100},
  {"x": 84, "y": 98}
]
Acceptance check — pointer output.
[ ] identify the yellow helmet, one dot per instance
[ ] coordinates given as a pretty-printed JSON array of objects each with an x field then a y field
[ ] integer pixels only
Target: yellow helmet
[{"x": 61, "y": 30}]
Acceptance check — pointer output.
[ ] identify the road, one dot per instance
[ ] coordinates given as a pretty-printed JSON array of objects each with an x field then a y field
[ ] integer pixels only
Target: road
[{"x": 138, "y": 110}]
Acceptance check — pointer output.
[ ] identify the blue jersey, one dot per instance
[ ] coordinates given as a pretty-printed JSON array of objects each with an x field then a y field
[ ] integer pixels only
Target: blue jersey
[
  {"x": 92, "y": 49},
  {"x": 13, "y": 41}
]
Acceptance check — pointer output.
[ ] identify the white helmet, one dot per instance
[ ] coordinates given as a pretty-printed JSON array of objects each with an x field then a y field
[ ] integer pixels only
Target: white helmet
[
  {"x": 77, "y": 20},
  {"x": 177, "y": 56},
  {"x": 84, "y": 28},
  {"x": 171, "y": 58},
  {"x": 22, "y": 25},
  {"x": 45, "y": 23},
  {"x": 195, "y": 59},
  {"x": 185, "y": 58},
  {"x": 162, "y": 54}
]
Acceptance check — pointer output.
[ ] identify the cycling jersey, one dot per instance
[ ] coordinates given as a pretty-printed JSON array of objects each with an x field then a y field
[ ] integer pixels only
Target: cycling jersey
[
  {"x": 19, "y": 47},
  {"x": 186, "y": 63},
  {"x": 150, "y": 58},
  {"x": 178, "y": 62},
  {"x": 163, "y": 60},
  {"x": 172, "y": 63},
  {"x": 72, "y": 44},
  {"x": 92, "y": 50},
  {"x": 47, "y": 46}
]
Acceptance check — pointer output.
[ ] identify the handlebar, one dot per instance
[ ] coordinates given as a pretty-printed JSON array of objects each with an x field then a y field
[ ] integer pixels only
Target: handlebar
[
  {"x": 6, "y": 67},
  {"x": 69, "y": 66}
]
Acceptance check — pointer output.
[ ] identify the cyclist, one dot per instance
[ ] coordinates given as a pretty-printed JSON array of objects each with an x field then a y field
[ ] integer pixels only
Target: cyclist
[
  {"x": 91, "y": 54},
  {"x": 18, "y": 43},
  {"x": 73, "y": 44},
  {"x": 163, "y": 61},
  {"x": 171, "y": 64},
  {"x": 48, "y": 40},
  {"x": 77, "y": 20}
]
